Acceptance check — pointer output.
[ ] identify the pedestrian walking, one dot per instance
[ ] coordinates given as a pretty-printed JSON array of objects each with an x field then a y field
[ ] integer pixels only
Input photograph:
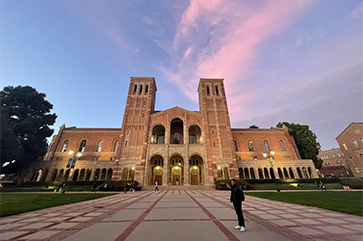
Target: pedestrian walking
[
  {"x": 94, "y": 188},
  {"x": 156, "y": 187},
  {"x": 237, "y": 197}
]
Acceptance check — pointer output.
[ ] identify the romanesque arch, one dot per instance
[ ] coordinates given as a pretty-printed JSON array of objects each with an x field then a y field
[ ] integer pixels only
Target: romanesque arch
[
  {"x": 196, "y": 170},
  {"x": 176, "y": 131},
  {"x": 265, "y": 171},
  {"x": 195, "y": 134},
  {"x": 158, "y": 135},
  {"x": 156, "y": 170},
  {"x": 176, "y": 170}
]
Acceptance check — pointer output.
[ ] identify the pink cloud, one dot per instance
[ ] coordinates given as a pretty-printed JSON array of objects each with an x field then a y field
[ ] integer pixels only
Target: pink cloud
[{"x": 236, "y": 31}]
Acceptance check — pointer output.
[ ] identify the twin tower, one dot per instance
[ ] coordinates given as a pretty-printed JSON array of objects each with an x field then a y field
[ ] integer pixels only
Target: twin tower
[{"x": 175, "y": 146}]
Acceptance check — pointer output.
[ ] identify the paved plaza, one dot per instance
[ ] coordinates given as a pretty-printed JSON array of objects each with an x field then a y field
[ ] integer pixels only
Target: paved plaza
[{"x": 179, "y": 215}]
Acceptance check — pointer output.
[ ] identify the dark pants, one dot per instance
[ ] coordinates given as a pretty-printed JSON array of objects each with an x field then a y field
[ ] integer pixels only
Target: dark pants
[{"x": 238, "y": 208}]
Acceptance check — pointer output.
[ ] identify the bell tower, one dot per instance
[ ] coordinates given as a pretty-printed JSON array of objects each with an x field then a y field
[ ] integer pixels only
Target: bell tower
[
  {"x": 217, "y": 126},
  {"x": 130, "y": 157}
]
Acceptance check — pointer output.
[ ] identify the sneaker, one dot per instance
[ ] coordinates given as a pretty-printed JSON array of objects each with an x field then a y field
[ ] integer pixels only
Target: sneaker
[
  {"x": 237, "y": 227},
  {"x": 243, "y": 229}
]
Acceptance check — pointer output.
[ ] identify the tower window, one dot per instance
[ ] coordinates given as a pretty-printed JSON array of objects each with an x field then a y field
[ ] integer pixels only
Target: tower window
[
  {"x": 235, "y": 146},
  {"x": 217, "y": 92},
  {"x": 146, "y": 89},
  {"x": 140, "y": 89},
  {"x": 208, "y": 91},
  {"x": 135, "y": 88}
]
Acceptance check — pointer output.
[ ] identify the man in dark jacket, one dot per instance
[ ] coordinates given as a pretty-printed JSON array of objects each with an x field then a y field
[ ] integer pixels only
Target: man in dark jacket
[{"x": 237, "y": 197}]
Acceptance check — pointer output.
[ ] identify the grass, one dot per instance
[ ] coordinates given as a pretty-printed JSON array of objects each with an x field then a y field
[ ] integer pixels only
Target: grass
[
  {"x": 11, "y": 204},
  {"x": 293, "y": 186},
  {"x": 344, "y": 201}
]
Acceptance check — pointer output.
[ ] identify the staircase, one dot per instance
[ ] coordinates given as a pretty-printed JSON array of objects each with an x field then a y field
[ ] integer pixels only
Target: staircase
[{"x": 179, "y": 187}]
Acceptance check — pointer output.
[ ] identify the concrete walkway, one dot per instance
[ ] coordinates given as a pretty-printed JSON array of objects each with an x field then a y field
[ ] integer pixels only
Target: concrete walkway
[{"x": 179, "y": 215}]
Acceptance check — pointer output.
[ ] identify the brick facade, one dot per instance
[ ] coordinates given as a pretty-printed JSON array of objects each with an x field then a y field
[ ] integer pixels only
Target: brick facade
[
  {"x": 174, "y": 146},
  {"x": 351, "y": 144}
]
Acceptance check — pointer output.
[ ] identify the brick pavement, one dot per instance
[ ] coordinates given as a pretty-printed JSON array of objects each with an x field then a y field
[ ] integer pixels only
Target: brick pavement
[{"x": 179, "y": 215}]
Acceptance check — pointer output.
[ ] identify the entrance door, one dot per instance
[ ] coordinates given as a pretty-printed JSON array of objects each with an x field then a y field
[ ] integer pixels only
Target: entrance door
[
  {"x": 194, "y": 180},
  {"x": 159, "y": 179},
  {"x": 176, "y": 178}
]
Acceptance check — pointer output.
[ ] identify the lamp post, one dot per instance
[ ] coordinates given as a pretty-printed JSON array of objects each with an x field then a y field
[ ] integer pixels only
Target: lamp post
[
  {"x": 72, "y": 161},
  {"x": 270, "y": 161}
]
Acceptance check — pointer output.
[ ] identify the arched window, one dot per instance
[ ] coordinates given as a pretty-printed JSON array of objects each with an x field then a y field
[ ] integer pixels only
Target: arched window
[
  {"x": 217, "y": 92},
  {"x": 195, "y": 134},
  {"x": 82, "y": 146},
  {"x": 176, "y": 131},
  {"x": 146, "y": 89},
  {"x": 115, "y": 146},
  {"x": 208, "y": 91},
  {"x": 176, "y": 138},
  {"x": 282, "y": 145},
  {"x": 250, "y": 145},
  {"x": 140, "y": 91},
  {"x": 65, "y": 145},
  {"x": 355, "y": 144},
  {"x": 158, "y": 135},
  {"x": 235, "y": 146},
  {"x": 135, "y": 88},
  {"x": 99, "y": 146},
  {"x": 267, "y": 146}
]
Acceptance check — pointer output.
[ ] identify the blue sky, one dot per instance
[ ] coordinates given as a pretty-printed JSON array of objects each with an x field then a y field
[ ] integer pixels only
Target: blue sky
[{"x": 294, "y": 61}]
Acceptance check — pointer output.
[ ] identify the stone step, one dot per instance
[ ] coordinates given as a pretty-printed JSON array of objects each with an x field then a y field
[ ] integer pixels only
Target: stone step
[{"x": 179, "y": 187}]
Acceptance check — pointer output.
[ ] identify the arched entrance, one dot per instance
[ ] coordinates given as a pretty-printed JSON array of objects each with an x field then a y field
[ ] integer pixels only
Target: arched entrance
[
  {"x": 196, "y": 170},
  {"x": 176, "y": 170},
  {"x": 156, "y": 170}
]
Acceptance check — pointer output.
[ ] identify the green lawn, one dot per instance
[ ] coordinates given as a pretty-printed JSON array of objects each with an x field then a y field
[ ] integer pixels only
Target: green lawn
[
  {"x": 11, "y": 204},
  {"x": 344, "y": 201}
]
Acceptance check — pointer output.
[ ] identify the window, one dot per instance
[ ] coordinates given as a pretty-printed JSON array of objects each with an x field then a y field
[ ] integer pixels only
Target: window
[
  {"x": 250, "y": 145},
  {"x": 99, "y": 146},
  {"x": 361, "y": 140},
  {"x": 214, "y": 144},
  {"x": 146, "y": 89},
  {"x": 65, "y": 145},
  {"x": 127, "y": 132},
  {"x": 208, "y": 91},
  {"x": 267, "y": 146},
  {"x": 333, "y": 155},
  {"x": 82, "y": 146},
  {"x": 125, "y": 143},
  {"x": 135, "y": 88},
  {"x": 235, "y": 145},
  {"x": 212, "y": 132},
  {"x": 345, "y": 146},
  {"x": 338, "y": 154},
  {"x": 140, "y": 91},
  {"x": 176, "y": 139},
  {"x": 115, "y": 146},
  {"x": 282, "y": 145},
  {"x": 217, "y": 92},
  {"x": 355, "y": 144}
]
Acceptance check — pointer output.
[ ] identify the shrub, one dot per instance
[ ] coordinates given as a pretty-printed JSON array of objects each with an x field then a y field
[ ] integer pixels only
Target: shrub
[
  {"x": 352, "y": 182},
  {"x": 221, "y": 184}
]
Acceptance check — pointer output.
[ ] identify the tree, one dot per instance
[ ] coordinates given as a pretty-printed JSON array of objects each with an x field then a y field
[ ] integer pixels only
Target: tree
[
  {"x": 305, "y": 141},
  {"x": 25, "y": 120}
]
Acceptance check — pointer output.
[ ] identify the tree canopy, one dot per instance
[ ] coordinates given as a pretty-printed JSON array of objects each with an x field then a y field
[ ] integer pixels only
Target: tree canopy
[
  {"x": 25, "y": 120},
  {"x": 305, "y": 141}
]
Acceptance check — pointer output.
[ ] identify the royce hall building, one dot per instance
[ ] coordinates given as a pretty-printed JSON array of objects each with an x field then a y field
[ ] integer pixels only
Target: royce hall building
[{"x": 174, "y": 146}]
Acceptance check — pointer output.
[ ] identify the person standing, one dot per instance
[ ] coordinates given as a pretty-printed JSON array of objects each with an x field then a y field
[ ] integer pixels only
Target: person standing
[
  {"x": 237, "y": 197},
  {"x": 94, "y": 188},
  {"x": 156, "y": 186}
]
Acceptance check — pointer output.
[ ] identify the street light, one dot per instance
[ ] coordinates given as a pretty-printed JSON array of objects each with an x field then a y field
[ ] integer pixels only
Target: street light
[{"x": 270, "y": 161}]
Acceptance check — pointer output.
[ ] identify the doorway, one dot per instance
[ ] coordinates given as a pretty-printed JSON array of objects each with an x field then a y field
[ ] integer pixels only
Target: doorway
[
  {"x": 176, "y": 179},
  {"x": 159, "y": 179},
  {"x": 194, "y": 180}
]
